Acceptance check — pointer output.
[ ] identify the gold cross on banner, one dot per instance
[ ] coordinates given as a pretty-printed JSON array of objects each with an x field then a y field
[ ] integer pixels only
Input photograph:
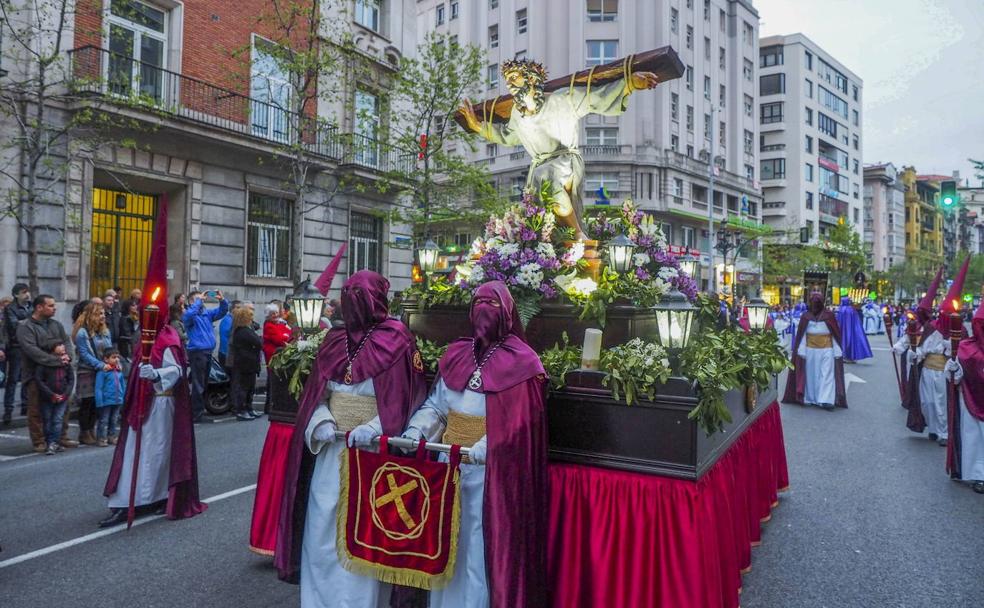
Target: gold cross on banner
[{"x": 395, "y": 495}]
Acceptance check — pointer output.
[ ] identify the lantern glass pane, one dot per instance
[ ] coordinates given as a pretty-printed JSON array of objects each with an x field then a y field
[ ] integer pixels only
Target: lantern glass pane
[{"x": 663, "y": 328}]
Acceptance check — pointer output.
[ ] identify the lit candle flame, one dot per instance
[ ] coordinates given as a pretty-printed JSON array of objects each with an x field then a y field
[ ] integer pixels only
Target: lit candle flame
[
  {"x": 885, "y": 310},
  {"x": 956, "y": 305},
  {"x": 910, "y": 316},
  {"x": 153, "y": 296}
]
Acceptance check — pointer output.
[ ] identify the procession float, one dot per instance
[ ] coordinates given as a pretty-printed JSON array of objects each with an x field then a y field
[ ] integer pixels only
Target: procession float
[{"x": 665, "y": 441}]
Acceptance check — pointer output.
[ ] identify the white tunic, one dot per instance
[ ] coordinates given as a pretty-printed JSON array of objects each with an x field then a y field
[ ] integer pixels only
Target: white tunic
[
  {"x": 820, "y": 387},
  {"x": 932, "y": 385},
  {"x": 468, "y": 587},
  {"x": 155, "y": 445},
  {"x": 324, "y": 582}
]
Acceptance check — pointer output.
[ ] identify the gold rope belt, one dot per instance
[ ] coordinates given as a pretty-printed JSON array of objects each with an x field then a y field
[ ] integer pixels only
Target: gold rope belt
[
  {"x": 164, "y": 394},
  {"x": 819, "y": 341},
  {"x": 935, "y": 362},
  {"x": 463, "y": 429},
  {"x": 351, "y": 410}
]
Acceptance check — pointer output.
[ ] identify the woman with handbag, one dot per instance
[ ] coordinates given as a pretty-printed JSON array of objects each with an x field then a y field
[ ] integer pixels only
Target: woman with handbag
[{"x": 92, "y": 338}]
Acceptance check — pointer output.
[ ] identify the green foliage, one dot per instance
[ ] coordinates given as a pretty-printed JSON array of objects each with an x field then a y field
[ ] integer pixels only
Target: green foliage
[
  {"x": 430, "y": 353},
  {"x": 438, "y": 292},
  {"x": 528, "y": 306},
  {"x": 296, "y": 360},
  {"x": 635, "y": 369},
  {"x": 612, "y": 288},
  {"x": 560, "y": 359}
]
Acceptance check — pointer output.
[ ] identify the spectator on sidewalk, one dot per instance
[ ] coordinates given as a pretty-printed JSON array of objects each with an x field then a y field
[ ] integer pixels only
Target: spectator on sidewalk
[
  {"x": 129, "y": 333},
  {"x": 225, "y": 333},
  {"x": 110, "y": 389},
  {"x": 55, "y": 386},
  {"x": 36, "y": 336},
  {"x": 81, "y": 304},
  {"x": 199, "y": 322},
  {"x": 175, "y": 314},
  {"x": 92, "y": 339},
  {"x": 245, "y": 349},
  {"x": 13, "y": 314},
  {"x": 135, "y": 296},
  {"x": 112, "y": 308},
  {"x": 276, "y": 335}
]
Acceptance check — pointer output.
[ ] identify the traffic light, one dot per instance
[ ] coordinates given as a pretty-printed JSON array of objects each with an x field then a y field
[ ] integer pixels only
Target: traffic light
[{"x": 948, "y": 195}]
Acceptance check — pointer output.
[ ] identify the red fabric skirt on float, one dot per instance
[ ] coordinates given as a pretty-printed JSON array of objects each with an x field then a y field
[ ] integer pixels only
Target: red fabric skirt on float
[
  {"x": 629, "y": 539},
  {"x": 269, "y": 489}
]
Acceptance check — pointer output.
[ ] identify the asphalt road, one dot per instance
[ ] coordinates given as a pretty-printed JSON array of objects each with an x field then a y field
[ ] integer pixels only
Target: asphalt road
[{"x": 870, "y": 520}]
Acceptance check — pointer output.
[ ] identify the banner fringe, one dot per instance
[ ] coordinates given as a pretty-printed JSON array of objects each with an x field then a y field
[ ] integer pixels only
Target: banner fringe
[{"x": 397, "y": 576}]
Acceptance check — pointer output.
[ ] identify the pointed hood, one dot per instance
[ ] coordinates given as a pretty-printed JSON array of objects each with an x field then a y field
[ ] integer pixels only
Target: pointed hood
[
  {"x": 956, "y": 289},
  {"x": 926, "y": 304}
]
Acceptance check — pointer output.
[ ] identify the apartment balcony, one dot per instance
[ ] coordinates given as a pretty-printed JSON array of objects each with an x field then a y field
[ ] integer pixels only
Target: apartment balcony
[
  {"x": 700, "y": 168},
  {"x": 158, "y": 93},
  {"x": 601, "y": 150}
]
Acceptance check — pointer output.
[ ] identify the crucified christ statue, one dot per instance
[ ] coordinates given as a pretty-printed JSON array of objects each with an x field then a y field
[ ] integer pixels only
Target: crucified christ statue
[{"x": 547, "y": 124}]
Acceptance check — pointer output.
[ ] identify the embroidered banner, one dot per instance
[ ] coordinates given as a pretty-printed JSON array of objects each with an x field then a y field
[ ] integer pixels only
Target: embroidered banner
[{"x": 398, "y": 516}]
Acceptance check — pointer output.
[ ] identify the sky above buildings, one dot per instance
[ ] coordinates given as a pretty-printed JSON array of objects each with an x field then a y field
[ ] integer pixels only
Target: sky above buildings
[{"x": 922, "y": 63}]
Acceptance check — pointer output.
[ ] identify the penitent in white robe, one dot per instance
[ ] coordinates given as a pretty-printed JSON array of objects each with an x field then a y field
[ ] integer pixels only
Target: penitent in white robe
[
  {"x": 324, "y": 582},
  {"x": 932, "y": 385},
  {"x": 821, "y": 387},
  {"x": 971, "y": 446},
  {"x": 155, "y": 445},
  {"x": 468, "y": 587}
]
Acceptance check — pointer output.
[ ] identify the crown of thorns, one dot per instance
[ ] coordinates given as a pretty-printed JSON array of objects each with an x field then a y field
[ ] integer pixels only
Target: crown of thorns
[{"x": 528, "y": 69}]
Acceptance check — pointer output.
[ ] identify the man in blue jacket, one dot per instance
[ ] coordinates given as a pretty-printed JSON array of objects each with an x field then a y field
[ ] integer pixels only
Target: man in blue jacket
[{"x": 198, "y": 323}]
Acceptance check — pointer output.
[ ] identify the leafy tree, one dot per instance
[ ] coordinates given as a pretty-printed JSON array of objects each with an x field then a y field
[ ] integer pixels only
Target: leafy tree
[{"x": 443, "y": 185}]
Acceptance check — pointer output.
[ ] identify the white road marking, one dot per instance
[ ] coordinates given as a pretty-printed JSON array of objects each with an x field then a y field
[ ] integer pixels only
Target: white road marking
[{"x": 101, "y": 533}]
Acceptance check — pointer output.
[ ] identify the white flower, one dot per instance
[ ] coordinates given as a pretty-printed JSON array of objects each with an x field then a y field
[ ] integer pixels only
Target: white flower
[
  {"x": 546, "y": 250},
  {"x": 477, "y": 247},
  {"x": 648, "y": 227},
  {"x": 659, "y": 284},
  {"x": 303, "y": 345},
  {"x": 507, "y": 249},
  {"x": 573, "y": 286},
  {"x": 668, "y": 273},
  {"x": 574, "y": 254},
  {"x": 530, "y": 275},
  {"x": 476, "y": 275},
  {"x": 641, "y": 259}
]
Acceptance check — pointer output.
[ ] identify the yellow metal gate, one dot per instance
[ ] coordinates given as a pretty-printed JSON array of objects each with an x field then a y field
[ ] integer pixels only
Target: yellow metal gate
[{"x": 122, "y": 231}]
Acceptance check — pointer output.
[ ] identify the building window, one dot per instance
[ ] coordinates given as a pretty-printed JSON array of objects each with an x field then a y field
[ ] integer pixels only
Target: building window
[
  {"x": 855, "y": 118},
  {"x": 749, "y": 105},
  {"x": 690, "y": 150},
  {"x": 857, "y": 168},
  {"x": 677, "y": 191},
  {"x": 367, "y": 120},
  {"x": 770, "y": 56},
  {"x": 832, "y": 102},
  {"x": 707, "y": 48},
  {"x": 808, "y": 88},
  {"x": 602, "y": 51},
  {"x": 690, "y": 78},
  {"x": 602, "y": 10},
  {"x": 747, "y": 33},
  {"x": 137, "y": 32},
  {"x": 440, "y": 14},
  {"x": 854, "y": 92},
  {"x": 688, "y": 237},
  {"x": 774, "y": 168},
  {"x": 826, "y": 124},
  {"x": 722, "y": 134},
  {"x": 494, "y": 36},
  {"x": 827, "y": 72},
  {"x": 707, "y": 126},
  {"x": 707, "y": 87},
  {"x": 521, "y": 21},
  {"x": 750, "y": 172},
  {"x": 690, "y": 37},
  {"x": 857, "y": 214},
  {"x": 674, "y": 20},
  {"x": 492, "y": 75},
  {"x": 809, "y": 144},
  {"x": 365, "y": 242},
  {"x": 749, "y": 142},
  {"x": 770, "y": 112},
  {"x": 809, "y": 200},
  {"x": 855, "y": 142},
  {"x": 722, "y": 57},
  {"x": 606, "y": 180},
  {"x": 491, "y": 150},
  {"x": 707, "y": 10},
  {"x": 773, "y": 84},
  {"x": 675, "y": 142},
  {"x": 808, "y": 57},
  {"x": 809, "y": 116},
  {"x": 722, "y": 96},
  {"x": 808, "y": 172},
  {"x": 748, "y": 69},
  {"x": 690, "y": 118},
  {"x": 601, "y": 136},
  {"x": 723, "y": 21},
  {"x": 493, "y": 4},
  {"x": 674, "y": 106},
  {"x": 367, "y": 14},
  {"x": 520, "y": 55},
  {"x": 269, "y": 222},
  {"x": 270, "y": 94},
  {"x": 454, "y": 9}
]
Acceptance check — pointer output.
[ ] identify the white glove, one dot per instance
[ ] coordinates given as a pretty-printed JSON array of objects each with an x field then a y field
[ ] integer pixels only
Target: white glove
[
  {"x": 911, "y": 357},
  {"x": 413, "y": 434},
  {"x": 362, "y": 436},
  {"x": 325, "y": 432},
  {"x": 477, "y": 452},
  {"x": 147, "y": 372},
  {"x": 955, "y": 368}
]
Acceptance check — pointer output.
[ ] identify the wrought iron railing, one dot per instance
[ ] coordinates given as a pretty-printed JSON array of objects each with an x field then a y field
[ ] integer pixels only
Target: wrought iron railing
[
  {"x": 144, "y": 86},
  {"x": 601, "y": 150}
]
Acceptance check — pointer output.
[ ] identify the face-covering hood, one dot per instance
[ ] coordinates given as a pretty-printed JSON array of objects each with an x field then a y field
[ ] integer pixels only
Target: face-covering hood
[
  {"x": 364, "y": 303},
  {"x": 493, "y": 316},
  {"x": 816, "y": 303}
]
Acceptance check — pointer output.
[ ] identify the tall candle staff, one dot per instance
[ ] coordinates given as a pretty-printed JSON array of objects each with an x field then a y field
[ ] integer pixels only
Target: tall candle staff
[
  {"x": 148, "y": 334},
  {"x": 888, "y": 334}
]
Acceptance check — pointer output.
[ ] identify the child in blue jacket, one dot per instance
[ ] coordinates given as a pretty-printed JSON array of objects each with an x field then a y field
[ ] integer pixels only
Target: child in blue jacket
[{"x": 110, "y": 388}]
